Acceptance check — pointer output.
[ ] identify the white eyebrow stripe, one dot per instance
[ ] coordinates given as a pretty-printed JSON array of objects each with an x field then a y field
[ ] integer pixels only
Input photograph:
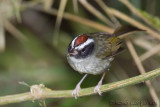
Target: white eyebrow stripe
[
  {"x": 72, "y": 44},
  {"x": 89, "y": 40}
]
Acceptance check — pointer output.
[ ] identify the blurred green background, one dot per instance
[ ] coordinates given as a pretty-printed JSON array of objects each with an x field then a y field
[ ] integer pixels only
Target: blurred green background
[{"x": 36, "y": 59}]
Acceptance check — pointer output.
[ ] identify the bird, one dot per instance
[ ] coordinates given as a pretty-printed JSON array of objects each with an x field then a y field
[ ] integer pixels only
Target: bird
[{"x": 92, "y": 53}]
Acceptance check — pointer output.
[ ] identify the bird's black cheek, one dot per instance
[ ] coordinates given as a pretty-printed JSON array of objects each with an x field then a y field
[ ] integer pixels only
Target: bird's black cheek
[{"x": 86, "y": 51}]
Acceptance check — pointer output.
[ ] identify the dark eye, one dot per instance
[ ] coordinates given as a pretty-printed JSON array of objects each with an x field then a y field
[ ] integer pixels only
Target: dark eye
[
  {"x": 86, "y": 51},
  {"x": 83, "y": 50}
]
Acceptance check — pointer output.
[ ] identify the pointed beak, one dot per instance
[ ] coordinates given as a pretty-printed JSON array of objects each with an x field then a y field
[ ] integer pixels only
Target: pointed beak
[{"x": 72, "y": 52}]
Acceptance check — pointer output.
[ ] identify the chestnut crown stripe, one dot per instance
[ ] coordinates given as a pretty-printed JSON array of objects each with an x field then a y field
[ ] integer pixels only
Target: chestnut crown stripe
[{"x": 81, "y": 39}]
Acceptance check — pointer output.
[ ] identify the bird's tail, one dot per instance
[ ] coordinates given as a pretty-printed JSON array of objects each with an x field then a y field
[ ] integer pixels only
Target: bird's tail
[{"x": 125, "y": 29}]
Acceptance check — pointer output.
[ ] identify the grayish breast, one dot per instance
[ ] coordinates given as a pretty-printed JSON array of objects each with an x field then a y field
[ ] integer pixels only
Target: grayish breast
[{"x": 90, "y": 65}]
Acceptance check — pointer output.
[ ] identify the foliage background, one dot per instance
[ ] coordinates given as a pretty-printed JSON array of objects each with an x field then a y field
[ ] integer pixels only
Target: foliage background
[{"x": 33, "y": 56}]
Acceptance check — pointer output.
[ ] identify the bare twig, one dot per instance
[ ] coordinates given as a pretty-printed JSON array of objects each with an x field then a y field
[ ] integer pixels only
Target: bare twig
[
  {"x": 14, "y": 31},
  {"x": 142, "y": 71},
  {"x": 137, "y": 13},
  {"x": 134, "y": 22},
  {"x": 150, "y": 53},
  {"x": 2, "y": 36},
  {"x": 95, "y": 12},
  {"x": 16, "y": 7},
  {"x": 59, "y": 20},
  {"x": 81, "y": 20},
  {"x": 141, "y": 42},
  {"x": 48, "y": 4},
  {"x": 75, "y": 6},
  {"x": 108, "y": 12}
]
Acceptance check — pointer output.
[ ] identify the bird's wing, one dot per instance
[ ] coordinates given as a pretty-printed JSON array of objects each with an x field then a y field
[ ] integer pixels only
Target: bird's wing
[{"x": 108, "y": 45}]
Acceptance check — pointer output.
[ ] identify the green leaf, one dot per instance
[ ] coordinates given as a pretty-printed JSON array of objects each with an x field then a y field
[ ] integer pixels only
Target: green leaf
[{"x": 153, "y": 19}]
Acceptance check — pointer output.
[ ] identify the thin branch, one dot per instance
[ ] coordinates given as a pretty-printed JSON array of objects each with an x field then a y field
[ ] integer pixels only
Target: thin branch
[
  {"x": 80, "y": 20},
  {"x": 108, "y": 12},
  {"x": 2, "y": 36},
  {"x": 48, "y": 4},
  {"x": 60, "y": 13},
  {"x": 29, "y": 4},
  {"x": 143, "y": 43},
  {"x": 14, "y": 31},
  {"x": 75, "y": 5},
  {"x": 137, "y": 13},
  {"x": 142, "y": 71},
  {"x": 135, "y": 56},
  {"x": 150, "y": 53},
  {"x": 41, "y": 92},
  {"x": 59, "y": 20},
  {"x": 134, "y": 22},
  {"x": 16, "y": 6},
  {"x": 95, "y": 12}
]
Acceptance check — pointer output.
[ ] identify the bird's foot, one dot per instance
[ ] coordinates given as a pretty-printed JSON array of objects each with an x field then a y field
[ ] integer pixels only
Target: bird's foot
[
  {"x": 75, "y": 92},
  {"x": 96, "y": 89}
]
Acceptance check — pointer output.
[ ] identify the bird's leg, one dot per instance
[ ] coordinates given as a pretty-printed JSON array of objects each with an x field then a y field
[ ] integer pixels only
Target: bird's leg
[
  {"x": 96, "y": 89},
  {"x": 75, "y": 92}
]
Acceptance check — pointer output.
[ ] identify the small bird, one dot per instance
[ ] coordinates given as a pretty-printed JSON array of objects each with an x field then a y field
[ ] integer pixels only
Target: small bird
[{"x": 92, "y": 53}]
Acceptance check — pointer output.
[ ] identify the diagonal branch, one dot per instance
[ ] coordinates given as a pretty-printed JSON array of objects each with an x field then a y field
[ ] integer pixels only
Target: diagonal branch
[
  {"x": 79, "y": 19},
  {"x": 14, "y": 31},
  {"x": 133, "y": 22},
  {"x": 150, "y": 52},
  {"x": 137, "y": 13},
  {"x": 142, "y": 71},
  {"x": 95, "y": 12}
]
